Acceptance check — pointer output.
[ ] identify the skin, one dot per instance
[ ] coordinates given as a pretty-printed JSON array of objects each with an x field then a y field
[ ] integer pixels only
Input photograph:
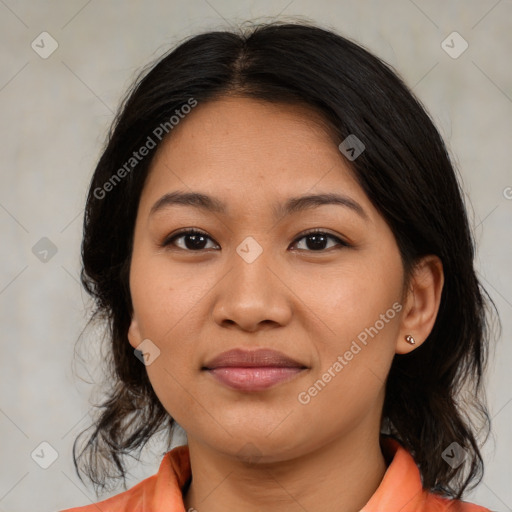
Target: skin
[{"x": 255, "y": 451}]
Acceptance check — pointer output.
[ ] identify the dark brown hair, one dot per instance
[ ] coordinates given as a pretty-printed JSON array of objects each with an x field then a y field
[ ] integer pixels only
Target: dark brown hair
[{"x": 434, "y": 394}]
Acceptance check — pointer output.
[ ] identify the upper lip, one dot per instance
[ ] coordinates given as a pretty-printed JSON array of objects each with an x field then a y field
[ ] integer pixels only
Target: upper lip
[{"x": 259, "y": 358}]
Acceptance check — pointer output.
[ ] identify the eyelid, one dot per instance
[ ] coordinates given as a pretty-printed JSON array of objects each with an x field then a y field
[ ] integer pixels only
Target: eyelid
[{"x": 195, "y": 231}]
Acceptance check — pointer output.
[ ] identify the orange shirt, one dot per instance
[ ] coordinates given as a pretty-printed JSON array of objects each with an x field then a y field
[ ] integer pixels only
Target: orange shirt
[{"x": 399, "y": 491}]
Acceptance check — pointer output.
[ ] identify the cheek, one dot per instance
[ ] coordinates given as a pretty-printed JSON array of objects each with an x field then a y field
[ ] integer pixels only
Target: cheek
[
  {"x": 359, "y": 308},
  {"x": 164, "y": 305},
  {"x": 166, "y": 297},
  {"x": 166, "y": 315},
  {"x": 362, "y": 293}
]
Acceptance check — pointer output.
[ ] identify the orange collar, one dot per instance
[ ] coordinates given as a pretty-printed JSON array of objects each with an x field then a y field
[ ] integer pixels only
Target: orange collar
[{"x": 399, "y": 491}]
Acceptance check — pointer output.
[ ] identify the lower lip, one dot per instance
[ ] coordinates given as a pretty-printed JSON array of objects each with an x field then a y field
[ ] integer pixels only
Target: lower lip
[{"x": 253, "y": 379}]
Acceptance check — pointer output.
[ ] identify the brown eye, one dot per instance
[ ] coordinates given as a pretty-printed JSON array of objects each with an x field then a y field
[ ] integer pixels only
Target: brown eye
[
  {"x": 317, "y": 240},
  {"x": 190, "y": 240}
]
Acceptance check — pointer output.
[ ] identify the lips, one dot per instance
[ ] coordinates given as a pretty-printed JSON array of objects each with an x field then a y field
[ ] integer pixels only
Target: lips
[
  {"x": 252, "y": 359},
  {"x": 253, "y": 370}
]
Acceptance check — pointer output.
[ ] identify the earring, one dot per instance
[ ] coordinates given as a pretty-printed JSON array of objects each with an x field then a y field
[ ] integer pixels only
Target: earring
[{"x": 410, "y": 339}]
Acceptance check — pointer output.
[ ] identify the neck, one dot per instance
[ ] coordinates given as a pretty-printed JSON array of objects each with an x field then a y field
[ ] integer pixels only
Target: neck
[{"x": 341, "y": 475}]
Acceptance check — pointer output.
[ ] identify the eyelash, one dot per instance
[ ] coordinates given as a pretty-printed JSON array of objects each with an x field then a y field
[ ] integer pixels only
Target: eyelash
[{"x": 169, "y": 240}]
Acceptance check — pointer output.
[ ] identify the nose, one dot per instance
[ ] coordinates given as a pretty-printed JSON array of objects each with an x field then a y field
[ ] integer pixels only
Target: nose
[{"x": 253, "y": 295}]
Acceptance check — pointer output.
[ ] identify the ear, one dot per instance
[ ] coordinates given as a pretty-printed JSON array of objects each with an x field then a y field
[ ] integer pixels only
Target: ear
[
  {"x": 134, "y": 336},
  {"x": 421, "y": 303}
]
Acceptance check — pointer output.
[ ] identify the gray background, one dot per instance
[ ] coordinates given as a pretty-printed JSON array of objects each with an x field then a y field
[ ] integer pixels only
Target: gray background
[{"x": 54, "y": 117}]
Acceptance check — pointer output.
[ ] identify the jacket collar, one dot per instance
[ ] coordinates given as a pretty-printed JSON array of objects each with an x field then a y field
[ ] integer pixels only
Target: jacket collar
[{"x": 400, "y": 489}]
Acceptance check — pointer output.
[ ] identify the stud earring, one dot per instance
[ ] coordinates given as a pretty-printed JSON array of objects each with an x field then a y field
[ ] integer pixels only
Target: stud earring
[{"x": 410, "y": 339}]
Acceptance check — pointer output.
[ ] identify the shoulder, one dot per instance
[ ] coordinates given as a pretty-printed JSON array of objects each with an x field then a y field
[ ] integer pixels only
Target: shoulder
[
  {"x": 131, "y": 500},
  {"x": 162, "y": 490},
  {"x": 401, "y": 488},
  {"x": 153, "y": 493},
  {"x": 436, "y": 503}
]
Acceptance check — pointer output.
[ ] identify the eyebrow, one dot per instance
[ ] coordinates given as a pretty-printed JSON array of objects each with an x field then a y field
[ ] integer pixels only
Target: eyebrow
[{"x": 292, "y": 205}]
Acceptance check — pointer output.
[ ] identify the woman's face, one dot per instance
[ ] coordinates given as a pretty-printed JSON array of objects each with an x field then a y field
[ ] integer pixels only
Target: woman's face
[{"x": 329, "y": 303}]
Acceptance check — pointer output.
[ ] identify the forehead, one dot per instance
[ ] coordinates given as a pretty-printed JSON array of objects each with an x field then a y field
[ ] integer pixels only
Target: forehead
[{"x": 246, "y": 151}]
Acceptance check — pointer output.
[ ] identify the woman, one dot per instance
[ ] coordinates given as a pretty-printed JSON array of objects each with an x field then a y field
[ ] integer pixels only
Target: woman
[{"x": 277, "y": 240}]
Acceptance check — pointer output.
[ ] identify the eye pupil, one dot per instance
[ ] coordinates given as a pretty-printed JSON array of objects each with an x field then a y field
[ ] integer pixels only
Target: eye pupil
[
  {"x": 318, "y": 241},
  {"x": 198, "y": 241}
]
